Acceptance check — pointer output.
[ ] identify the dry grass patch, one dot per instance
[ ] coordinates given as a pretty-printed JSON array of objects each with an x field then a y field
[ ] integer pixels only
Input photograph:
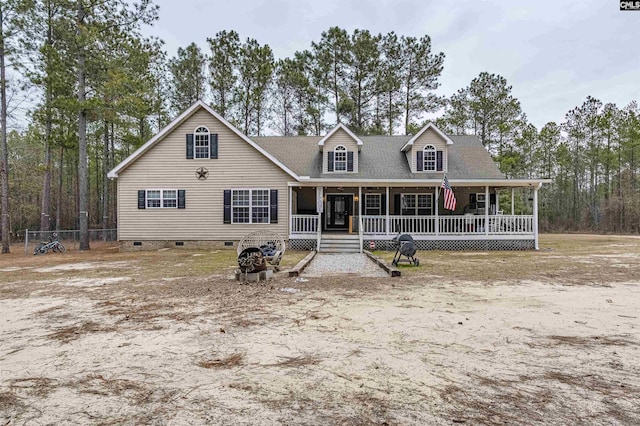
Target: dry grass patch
[
  {"x": 571, "y": 259},
  {"x": 592, "y": 340},
  {"x": 99, "y": 385},
  {"x": 296, "y": 361},
  {"x": 70, "y": 333},
  {"x": 233, "y": 360},
  {"x": 8, "y": 400},
  {"x": 34, "y": 386}
]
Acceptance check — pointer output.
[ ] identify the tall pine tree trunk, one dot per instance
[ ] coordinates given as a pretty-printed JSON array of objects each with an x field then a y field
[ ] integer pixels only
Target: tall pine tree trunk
[
  {"x": 83, "y": 176},
  {"x": 45, "y": 218},
  {"x": 59, "y": 200},
  {"x": 4, "y": 155},
  {"x": 105, "y": 181},
  {"x": 45, "y": 214}
]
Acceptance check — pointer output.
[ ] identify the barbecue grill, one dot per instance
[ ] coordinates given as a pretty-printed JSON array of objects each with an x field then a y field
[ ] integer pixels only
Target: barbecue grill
[{"x": 407, "y": 248}]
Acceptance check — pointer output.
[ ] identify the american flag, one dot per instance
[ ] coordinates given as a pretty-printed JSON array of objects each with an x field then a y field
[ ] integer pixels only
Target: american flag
[{"x": 449, "y": 198}]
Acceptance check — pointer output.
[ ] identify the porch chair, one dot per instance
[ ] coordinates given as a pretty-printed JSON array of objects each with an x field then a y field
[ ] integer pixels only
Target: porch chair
[{"x": 270, "y": 243}]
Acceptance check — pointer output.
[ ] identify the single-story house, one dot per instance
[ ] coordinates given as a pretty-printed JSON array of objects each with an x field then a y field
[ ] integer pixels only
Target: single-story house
[{"x": 200, "y": 181}]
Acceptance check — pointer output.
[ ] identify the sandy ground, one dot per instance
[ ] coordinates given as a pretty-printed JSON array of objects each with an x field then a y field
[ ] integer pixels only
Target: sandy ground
[{"x": 108, "y": 338}]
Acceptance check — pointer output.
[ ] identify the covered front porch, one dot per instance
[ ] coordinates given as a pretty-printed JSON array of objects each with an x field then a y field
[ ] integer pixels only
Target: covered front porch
[{"x": 378, "y": 213}]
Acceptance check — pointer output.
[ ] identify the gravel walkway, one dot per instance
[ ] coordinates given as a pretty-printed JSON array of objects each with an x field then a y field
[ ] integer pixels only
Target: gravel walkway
[{"x": 343, "y": 263}]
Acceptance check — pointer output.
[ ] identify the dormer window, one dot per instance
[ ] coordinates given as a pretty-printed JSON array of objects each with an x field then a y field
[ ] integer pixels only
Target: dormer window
[
  {"x": 340, "y": 159},
  {"x": 429, "y": 158}
]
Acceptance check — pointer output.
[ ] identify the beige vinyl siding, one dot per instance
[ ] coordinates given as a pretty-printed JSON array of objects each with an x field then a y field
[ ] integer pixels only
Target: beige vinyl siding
[
  {"x": 430, "y": 137},
  {"x": 164, "y": 166},
  {"x": 340, "y": 137}
]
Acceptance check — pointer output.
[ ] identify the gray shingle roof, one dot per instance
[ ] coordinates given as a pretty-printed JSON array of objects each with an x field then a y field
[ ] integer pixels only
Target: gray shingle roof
[{"x": 381, "y": 158}]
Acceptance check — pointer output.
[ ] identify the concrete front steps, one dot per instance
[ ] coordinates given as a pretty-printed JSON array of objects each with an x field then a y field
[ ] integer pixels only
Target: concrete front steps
[{"x": 339, "y": 243}]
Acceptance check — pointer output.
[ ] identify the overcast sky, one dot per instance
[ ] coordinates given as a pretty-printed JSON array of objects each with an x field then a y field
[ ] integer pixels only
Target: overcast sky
[{"x": 553, "y": 53}]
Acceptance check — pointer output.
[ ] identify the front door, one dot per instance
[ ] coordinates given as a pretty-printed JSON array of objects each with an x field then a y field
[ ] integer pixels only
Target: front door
[{"x": 339, "y": 208}]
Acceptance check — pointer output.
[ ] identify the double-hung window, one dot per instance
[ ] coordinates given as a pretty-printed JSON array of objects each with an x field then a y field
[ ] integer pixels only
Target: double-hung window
[
  {"x": 372, "y": 204},
  {"x": 429, "y": 158},
  {"x": 162, "y": 198},
  {"x": 250, "y": 205},
  {"x": 417, "y": 204},
  {"x": 201, "y": 142},
  {"x": 340, "y": 159}
]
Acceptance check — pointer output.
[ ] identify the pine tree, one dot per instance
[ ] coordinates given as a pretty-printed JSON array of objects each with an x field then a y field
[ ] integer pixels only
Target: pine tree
[
  {"x": 223, "y": 64},
  {"x": 188, "y": 77},
  {"x": 420, "y": 72},
  {"x": 332, "y": 57}
]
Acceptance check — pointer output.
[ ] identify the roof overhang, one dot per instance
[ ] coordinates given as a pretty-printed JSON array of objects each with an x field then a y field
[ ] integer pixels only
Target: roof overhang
[
  {"x": 179, "y": 120},
  {"x": 432, "y": 126},
  {"x": 335, "y": 129},
  {"x": 515, "y": 183}
]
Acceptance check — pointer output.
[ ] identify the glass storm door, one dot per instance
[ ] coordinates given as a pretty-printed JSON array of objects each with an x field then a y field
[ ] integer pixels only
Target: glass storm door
[{"x": 339, "y": 208}]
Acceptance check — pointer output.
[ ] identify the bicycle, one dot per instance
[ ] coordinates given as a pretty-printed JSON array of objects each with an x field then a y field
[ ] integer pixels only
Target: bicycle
[{"x": 53, "y": 244}]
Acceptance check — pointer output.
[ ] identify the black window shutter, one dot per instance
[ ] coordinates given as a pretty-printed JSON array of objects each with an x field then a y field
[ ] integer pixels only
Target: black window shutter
[
  {"x": 213, "y": 145},
  {"x": 274, "y": 206},
  {"x": 190, "y": 146},
  {"x": 396, "y": 204},
  {"x": 142, "y": 199},
  {"x": 227, "y": 206},
  {"x": 349, "y": 161},
  {"x": 181, "y": 198},
  {"x": 383, "y": 204},
  {"x": 439, "y": 161},
  {"x": 420, "y": 161},
  {"x": 330, "y": 161}
]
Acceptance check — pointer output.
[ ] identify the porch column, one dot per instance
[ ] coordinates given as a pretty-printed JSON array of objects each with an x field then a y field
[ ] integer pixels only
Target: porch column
[
  {"x": 360, "y": 230},
  {"x": 512, "y": 201},
  {"x": 535, "y": 215},
  {"x": 486, "y": 210},
  {"x": 437, "y": 224},
  {"x": 388, "y": 222},
  {"x": 319, "y": 210},
  {"x": 290, "y": 210}
]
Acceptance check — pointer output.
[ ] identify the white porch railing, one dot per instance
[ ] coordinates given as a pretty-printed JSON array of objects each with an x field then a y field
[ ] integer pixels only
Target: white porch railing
[
  {"x": 304, "y": 224},
  {"x": 508, "y": 225},
  {"x": 426, "y": 225},
  {"x": 448, "y": 225}
]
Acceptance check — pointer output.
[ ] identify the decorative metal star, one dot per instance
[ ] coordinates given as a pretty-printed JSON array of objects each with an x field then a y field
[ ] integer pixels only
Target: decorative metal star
[{"x": 202, "y": 173}]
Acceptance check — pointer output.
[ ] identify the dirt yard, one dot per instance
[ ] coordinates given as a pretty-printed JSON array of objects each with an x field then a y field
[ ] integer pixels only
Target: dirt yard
[{"x": 167, "y": 337}]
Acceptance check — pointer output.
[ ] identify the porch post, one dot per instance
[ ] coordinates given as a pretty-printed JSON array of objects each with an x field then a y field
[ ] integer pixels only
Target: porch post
[
  {"x": 319, "y": 210},
  {"x": 437, "y": 206},
  {"x": 387, "y": 210},
  {"x": 360, "y": 230},
  {"x": 290, "y": 210},
  {"x": 486, "y": 210},
  {"x": 535, "y": 215},
  {"x": 512, "y": 202}
]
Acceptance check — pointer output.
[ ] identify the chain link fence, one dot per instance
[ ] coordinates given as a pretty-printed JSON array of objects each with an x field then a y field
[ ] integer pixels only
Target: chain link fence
[{"x": 70, "y": 238}]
